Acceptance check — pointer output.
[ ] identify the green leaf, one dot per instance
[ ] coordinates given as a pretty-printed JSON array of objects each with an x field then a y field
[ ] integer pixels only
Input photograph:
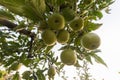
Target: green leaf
[
  {"x": 40, "y": 75},
  {"x": 0, "y": 74},
  {"x": 9, "y": 62},
  {"x": 23, "y": 57},
  {"x": 90, "y": 26},
  {"x": 57, "y": 63},
  {"x": 16, "y": 76},
  {"x": 32, "y": 9},
  {"x": 61, "y": 66},
  {"x": 48, "y": 49},
  {"x": 15, "y": 6},
  {"x": 77, "y": 40},
  {"x": 38, "y": 5},
  {"x": 107, "y": 10},
  {"x": 26, "y": 75},
  {"x": 27, "y": 62},
  {"x": 88, "y": 58},
  {"x": 98, "y": 59},
  {"x": 29, "y": 13},
  {"x": 77, "y": 64},
  {"x": 59, "y": 2},
  {"x": 15, "y": 66},
  {"x": 98, "y": 14},
  {"x": 6, "y": 15}
]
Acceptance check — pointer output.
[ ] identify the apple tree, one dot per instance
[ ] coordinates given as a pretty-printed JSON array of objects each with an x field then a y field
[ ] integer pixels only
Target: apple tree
[{"x": 31, "y": 30}]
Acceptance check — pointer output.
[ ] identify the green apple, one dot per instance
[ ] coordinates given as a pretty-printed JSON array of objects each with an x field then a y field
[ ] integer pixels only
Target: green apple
[
  {"x": 90, "y": 41},
  {"x": 56, "y": 21},
  {"x": 63, "y": 36},
  {"x": 68, "y": 57},
  {"x": 49, "y": 37},
  {"x": 68, "y": 14},
  {"x": 51, "y": 71},
  {"x": 77, "y": 24}
]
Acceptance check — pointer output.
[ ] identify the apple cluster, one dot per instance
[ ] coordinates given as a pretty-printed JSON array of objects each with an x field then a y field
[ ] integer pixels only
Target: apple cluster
[{"x": 54, "y": 29}]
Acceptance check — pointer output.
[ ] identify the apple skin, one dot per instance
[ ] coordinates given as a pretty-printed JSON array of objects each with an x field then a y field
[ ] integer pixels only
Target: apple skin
[
  {"x": 68, "y": 14},
  {"x": 63, "y": 36},
  {"x": 49, "y": 37},
  {"x": 77, "y": 24},
  {"x": 56, "y": 21},
  {"x": 68, "y": 57},
  {"x": 51, "y": 71},
  {"x": 90, "y": 41}
]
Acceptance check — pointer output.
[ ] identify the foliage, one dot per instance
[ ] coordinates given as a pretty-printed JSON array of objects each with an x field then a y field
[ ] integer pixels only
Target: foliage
[{"x": 22, "y": 23}]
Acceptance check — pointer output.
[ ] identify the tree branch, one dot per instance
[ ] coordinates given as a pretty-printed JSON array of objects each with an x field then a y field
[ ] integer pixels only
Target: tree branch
[
  {"x": 11, "y": 25},
  {"x": 30, "y": 55}
]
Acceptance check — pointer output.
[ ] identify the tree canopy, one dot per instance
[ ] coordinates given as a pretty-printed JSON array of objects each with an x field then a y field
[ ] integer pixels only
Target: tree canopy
[{"x": 30, "y": 31}]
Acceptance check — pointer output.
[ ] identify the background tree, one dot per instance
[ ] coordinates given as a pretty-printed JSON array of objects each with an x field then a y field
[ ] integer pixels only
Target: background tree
[{"x": 30, "y": 30}]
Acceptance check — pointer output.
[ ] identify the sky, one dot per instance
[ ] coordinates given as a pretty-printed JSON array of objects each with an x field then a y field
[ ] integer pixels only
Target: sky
[{"x": 109, "y": 33}]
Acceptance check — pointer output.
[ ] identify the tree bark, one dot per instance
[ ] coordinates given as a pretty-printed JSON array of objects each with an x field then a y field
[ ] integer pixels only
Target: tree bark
[{"x": 12, "y": 25}]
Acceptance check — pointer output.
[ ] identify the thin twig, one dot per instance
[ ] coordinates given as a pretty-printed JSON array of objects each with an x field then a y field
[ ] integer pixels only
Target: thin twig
[{"x": 30, "y": 55}]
